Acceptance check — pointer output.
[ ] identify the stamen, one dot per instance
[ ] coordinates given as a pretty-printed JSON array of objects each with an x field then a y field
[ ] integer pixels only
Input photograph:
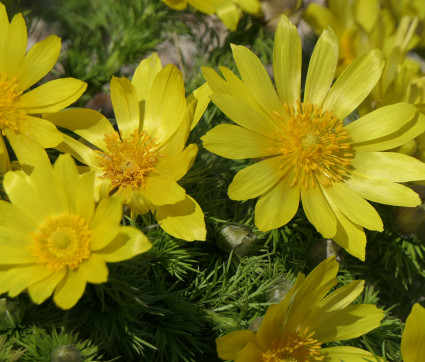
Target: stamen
[
  {"x": 128, "y": 161},
  {"x": 316, "y": 143},
  {"x": 62, "y": 241},
  {"x": 9, "y": 114}
]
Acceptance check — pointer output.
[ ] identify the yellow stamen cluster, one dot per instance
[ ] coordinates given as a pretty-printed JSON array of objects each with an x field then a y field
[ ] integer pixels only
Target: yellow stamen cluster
[
  {"x": 130, "y": 160},
  {"x": 9, "y": 93},
  {"x": 316, "y": 143},
  {"x": 62, "y": 241},
  {"x": 294, "y": 348}
]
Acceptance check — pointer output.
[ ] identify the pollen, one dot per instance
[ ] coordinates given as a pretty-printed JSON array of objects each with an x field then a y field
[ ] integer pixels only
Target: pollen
[
  {"x": 62, "y": 241},
  {"x": 315, "y": 142},
  {"x": 9, "y": 93},
  {"x": 129, "y": 160},
  {"x": 294, "y": 348}
]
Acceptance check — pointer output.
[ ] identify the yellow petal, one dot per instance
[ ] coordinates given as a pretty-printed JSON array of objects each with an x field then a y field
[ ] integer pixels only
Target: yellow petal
[
  {"x": 70, "y": 289},
  {"x": 202, "y": 95},
  {"x": 314, "y": 287},
  {"x": 237, "y": 143},
  {"x": 40, "y": 291},
  {"x": 176, "y": 4},
  {"x": 80, "y": 189},
  {"x": 231, "y": 344},
  {"x": 250, "y": 353},
  {"x": 320, "y": 17},
  {"x": 354, "y": 84},
  {"x": 162, "y": 191},
  {"x": 128, "y": 243},
  {"x": 256, "y": 79},
  {"x": 242, "y": 114},
  {"x": 349, "y": 235},
  {"x": 4, "y": 157},
  {"x": 15, "y": 47},
  {"x": 52, "y": 96},
  {"x": 413, "y": 338},
  {"x": 228, "y": 13},
  {"x": 346, "y": 353},
  {"x": 256, "y": 179},
  {"x": 15, "y": 254},
  {"x": 21, "y": 277},
  {"x": 202, "y": 5},
  {"x": 94, "y": 269},
  {"x": 383, "y": 191},
  {"x": 233, "y": 86},
  {"x": 174, "y": 168},
  {"x": 321, "y": 69},
  {"x": 399, "y": 137},
  {"x": 108, "y": 210},
  {"x": 390, "y": 166},
  {"x": 39, "y": 60},
  {"x": 4, "y": 28},
  {"x": 183, "y": 220},
  {"x": 287, "y": 62},
  {"x": 87, "y": 123},
  {"x": 27, "y": 151},
  {"x": 279, "y": 205},
  {"x": 23, "y": 194},
  {"x": 318, "y": 211},
  {"x": 381, "y": 122},
  {"x": 353, "y": 206},
  {"x": 342, "y": 297},
  {"x": 144, "y": 75},
  {"x": 42, "y": 132},
  {"x": 165, "y": 105},
  {"x": 139, "y": 204},
  {"x": 14, "y": 219},
  {"x": 80, "y": 151},
  {"x": 350, "y": 322},
  {"x": 126, "y": 106}
]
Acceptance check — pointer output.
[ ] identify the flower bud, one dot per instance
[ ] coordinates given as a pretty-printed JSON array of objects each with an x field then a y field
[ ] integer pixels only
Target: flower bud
[
  {"x": 237, "y": 237},
  {"x": 321, "y": 250},
  {"x": 66, "y": 353}
]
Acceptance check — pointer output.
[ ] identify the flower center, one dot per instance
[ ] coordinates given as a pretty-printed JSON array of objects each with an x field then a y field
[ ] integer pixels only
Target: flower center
[
  {"x": 62, "y": 241},
  {"x": 130, "y": 160},
  {"x": 9, "y": 92},
  {"x": 316, "y": 142},
  {"x": 294, "y": 348}
]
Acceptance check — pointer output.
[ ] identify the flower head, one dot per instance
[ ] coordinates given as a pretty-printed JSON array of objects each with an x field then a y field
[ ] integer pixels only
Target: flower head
[
  {"x": 296, "y": 328},
  {"x": 229, "y": 11},
  {"x": 53, "y": 237},
  {"x": 412, "y": 340},
  {"x": 145, "y": 159},
  {"x": 19, "y": 70},
  {"x": 306, "y": 151}
]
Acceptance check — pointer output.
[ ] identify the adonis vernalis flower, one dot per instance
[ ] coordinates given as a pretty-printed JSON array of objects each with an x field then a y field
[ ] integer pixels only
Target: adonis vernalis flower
[
  {"x": 296, "y": 328},
  {"x": 229, "y": 11},
  {"x": 144, "y": 161},
  {"x": 19, "y": 70},
  {"x": 307, "y": 152},
  {"x": 54, "y": 239},
  {"x": 413, "y": 338}
]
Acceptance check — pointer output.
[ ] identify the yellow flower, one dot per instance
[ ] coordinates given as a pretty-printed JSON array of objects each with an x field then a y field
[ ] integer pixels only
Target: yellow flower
[
  {"x": 144, "y": 161},
  {"x": 27, "y": 134},
  {"x": 53, "y": 239},
  {"x": 307, "y": 152},
  {"x": 413, "y": 338},
  {"x": 296, "y": 328},
  {"x": 229, "y": 11}
]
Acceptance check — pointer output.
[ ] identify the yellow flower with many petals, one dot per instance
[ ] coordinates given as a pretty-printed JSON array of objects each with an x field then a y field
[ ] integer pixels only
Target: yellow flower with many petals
[
  {"x": 144, "y": 161},
  {"x": 19, "y": 70},
  {"x": 296, "y": 328},
  {"x": 307, "y": 152},
  {"x": 229, "y": 11},
  {"x": 54, "y": 239},
  {"x": 413, "y": 338}
]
